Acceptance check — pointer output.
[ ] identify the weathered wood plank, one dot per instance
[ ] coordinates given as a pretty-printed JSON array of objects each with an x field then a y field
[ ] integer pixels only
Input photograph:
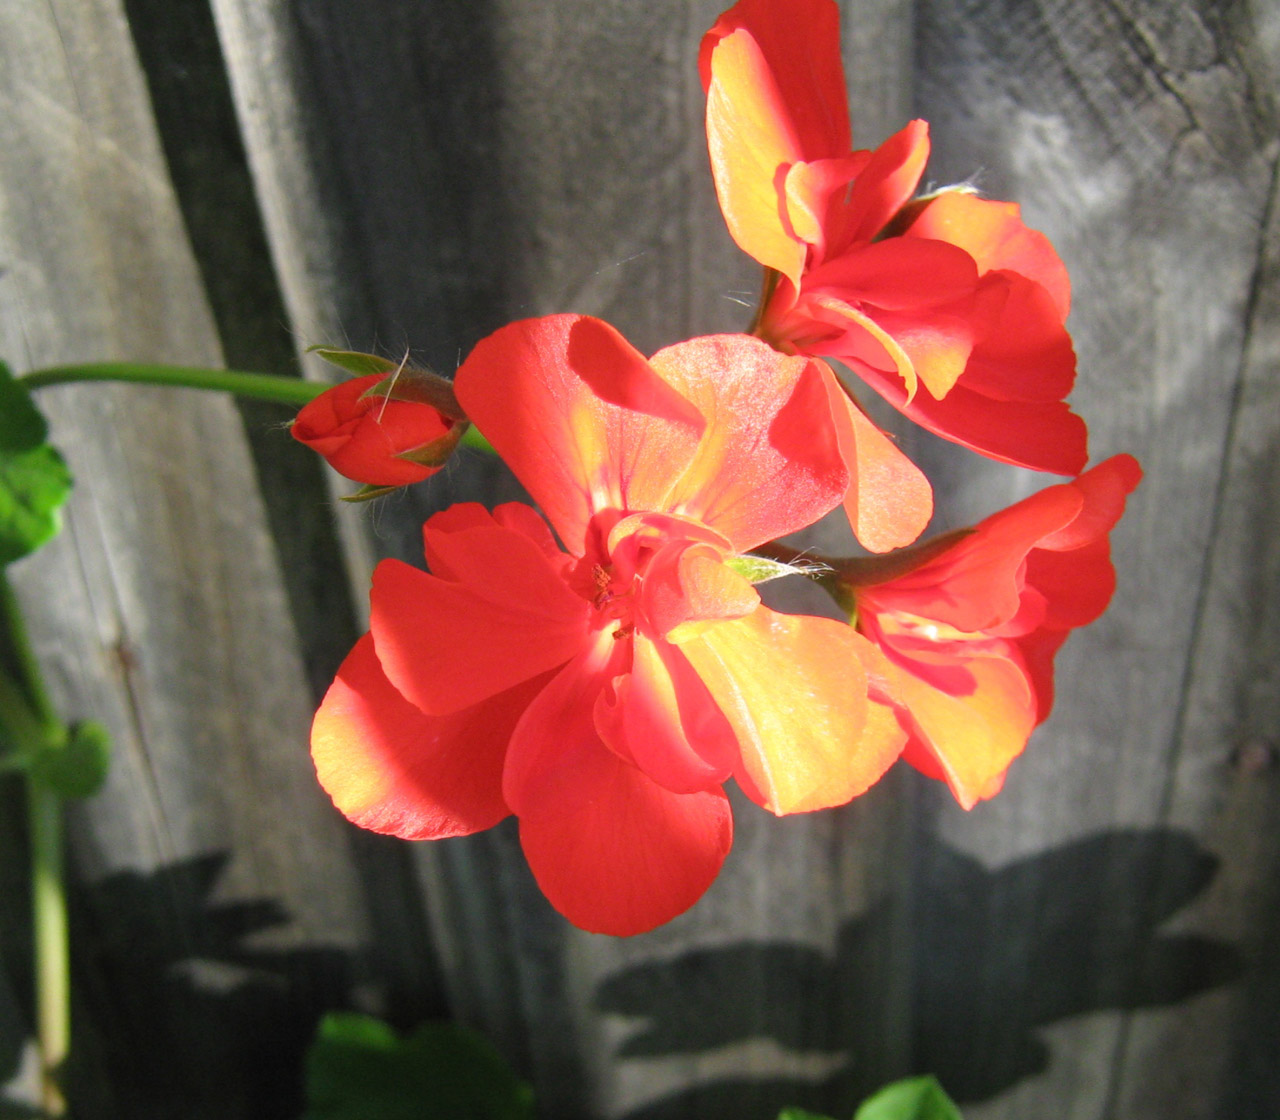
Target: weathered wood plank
[
  {"x": 218, "y": 911},
  {"x": 1142, "y": 139}
]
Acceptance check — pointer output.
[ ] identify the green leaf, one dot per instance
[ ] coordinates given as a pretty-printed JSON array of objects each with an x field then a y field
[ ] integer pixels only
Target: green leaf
[
  {"x": 34, "y": 481},
  {"x": 358, "y": 1068},
  {"x": 354, "y": 362},
  {"x": 800, "y": 1114},
  {"x": 78, "y": 766},
  {"x": 916, "y": 1098},
  {"x": 760, "y": 569},
  {"x": 22, "y": 428}
]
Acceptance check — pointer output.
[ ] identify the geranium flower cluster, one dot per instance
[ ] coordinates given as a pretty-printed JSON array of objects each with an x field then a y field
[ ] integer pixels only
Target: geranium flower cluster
[{"x": 602, "y": 670}]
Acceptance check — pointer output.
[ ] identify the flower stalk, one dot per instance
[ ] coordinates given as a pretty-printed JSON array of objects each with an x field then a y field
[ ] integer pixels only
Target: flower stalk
[
  {"x": 293, "y": 391},
  {"x": 28, "y": 718}
]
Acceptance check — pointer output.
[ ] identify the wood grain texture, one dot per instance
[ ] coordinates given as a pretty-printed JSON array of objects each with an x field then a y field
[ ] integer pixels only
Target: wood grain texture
[
  {"x": 1142, "y": 139},
  {"x": 1098, "y": 942},
  {"x": 217, "y": 910}
]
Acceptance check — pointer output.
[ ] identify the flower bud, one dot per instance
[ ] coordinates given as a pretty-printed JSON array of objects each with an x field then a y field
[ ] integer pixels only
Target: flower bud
[{"x": 380, "y": 429}]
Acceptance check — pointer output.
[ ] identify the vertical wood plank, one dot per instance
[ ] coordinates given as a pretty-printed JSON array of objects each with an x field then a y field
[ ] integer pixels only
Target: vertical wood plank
[
  {"x": 217, "y": 911},
  {"x": 1141, "y": 138}
]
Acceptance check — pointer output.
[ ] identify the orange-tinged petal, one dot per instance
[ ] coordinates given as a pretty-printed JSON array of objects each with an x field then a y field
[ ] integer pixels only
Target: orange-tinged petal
[
  {"x": 938, "y": 342},
  {"x": 775, "y": 95},
  {"x": 994, "y": 235},
  {"x": 694, "y": 584},
  {"x": 800, "y": 41},
  {"x": 889, "y": 501},
  {"x": 751, "y": 145},
  {"x": 814, "y": 194},
  {"x": 851, "y": 347},
  {"x": 794, "y": 689},
  {"x": 768, "y": 463},
  {"x": 974, "y": 737},
  {"x": 580, "y": 417},
  {"x": 391, "y": 768}
]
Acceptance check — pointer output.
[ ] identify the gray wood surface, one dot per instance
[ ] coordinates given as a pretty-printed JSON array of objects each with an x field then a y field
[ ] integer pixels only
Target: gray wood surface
[
  {"x": 1097, "y": 942},
  {"x": 218, "y": 907}
]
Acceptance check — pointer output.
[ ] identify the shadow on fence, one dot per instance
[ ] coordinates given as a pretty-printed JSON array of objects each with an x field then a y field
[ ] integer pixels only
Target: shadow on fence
[{"x": 999, "y": 955}]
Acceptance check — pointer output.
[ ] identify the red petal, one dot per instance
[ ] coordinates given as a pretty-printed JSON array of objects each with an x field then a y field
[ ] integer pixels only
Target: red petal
[
  {"x": 612, "y": 850},
  {"x": 393, "y": 769},
  {"x": 768, "y": 463},
  {"x": 580, "y": 417},
  {"x": 449, "y": 645},
  {"x": 976, "y": 584},
  {"x": 1025, "y": 353},
  {"x": 1043, "y": 436},
  {"x": 629, "y": 855},
  {"x": 660, "y": 717},
  {"x": 897, "y": 274},
  {"x": 886, "y": 184},
  {"x": 794, "y": 689},
  {"x": 1104, "y": 489}
]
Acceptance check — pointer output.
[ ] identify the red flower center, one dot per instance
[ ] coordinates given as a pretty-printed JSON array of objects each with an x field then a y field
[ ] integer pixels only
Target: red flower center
[{"x": 654, "y": 571}]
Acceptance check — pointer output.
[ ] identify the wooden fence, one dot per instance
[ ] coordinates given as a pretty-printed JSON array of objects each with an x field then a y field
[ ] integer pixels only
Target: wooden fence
[{"x": 231, "y": 181}]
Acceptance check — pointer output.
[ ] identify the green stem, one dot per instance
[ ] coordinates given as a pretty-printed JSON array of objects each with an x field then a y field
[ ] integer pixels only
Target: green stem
[
  {"x": 261, "y": 386},
  {"x": 52, "y": 948},
  {"x": 25, "y": 666},
  {"x": 30, "y": 719}
]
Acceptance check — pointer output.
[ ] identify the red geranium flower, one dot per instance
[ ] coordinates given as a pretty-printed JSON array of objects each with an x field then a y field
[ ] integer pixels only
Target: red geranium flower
[
  {"x": 604, "y": 693},
  {"x": 972, "y": 622},
  {"x": 374, "y": 438},
  {"x": 949, "y": 306}
]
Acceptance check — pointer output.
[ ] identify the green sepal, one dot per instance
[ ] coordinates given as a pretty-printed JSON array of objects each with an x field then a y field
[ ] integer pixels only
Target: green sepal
[
  {"x": 404, "y": 383},
  {"x": 78, "y": 766},
  {"x": 34, "y": 479},
  {"x": 361, "y": 365},
  {"x": 369, "y": 492},
  {"x": 437, "y": 452},
  {"x": 419, "y": 386},
  {"x": 915, "y": 1098},
  {"x": 761, "y": 569},
  {"x": 358, "y": 1068}
]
